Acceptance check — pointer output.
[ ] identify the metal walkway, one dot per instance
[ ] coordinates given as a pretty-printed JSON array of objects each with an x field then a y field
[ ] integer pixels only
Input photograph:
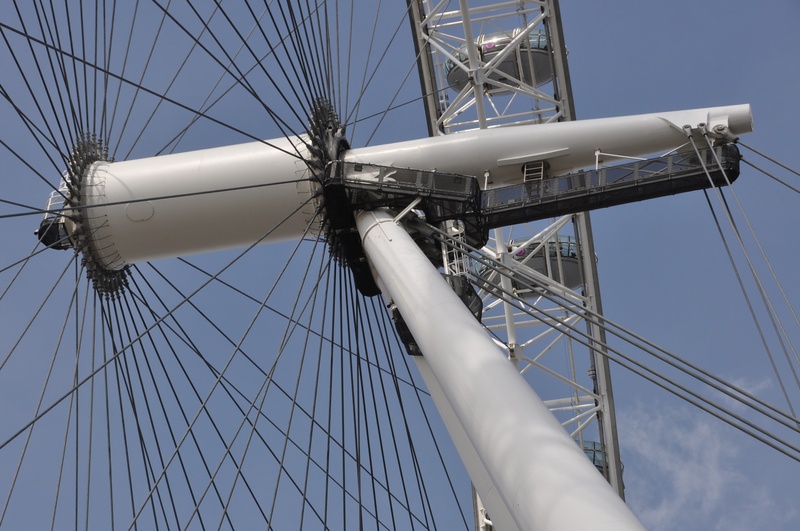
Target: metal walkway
[
  {"x": 605, "y": 187},
  {"x": 446, "y": 196},
  {"x": 349, "y": 187}
]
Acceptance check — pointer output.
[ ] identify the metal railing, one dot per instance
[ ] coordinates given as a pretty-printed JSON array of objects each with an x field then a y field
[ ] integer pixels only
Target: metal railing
[{"x": 670, "y": 167}]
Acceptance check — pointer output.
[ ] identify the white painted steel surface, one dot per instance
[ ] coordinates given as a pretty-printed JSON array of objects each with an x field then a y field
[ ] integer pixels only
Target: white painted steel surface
[
  {"x": 566, "y": 146},
  {"x": 127, "y": 224},
  {"x": 499, "y": 515},
  {"x": 543, "y": 478}
]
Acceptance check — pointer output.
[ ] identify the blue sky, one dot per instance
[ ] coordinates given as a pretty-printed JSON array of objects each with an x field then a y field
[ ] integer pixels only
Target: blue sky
[{"x": 663, "y": 270}]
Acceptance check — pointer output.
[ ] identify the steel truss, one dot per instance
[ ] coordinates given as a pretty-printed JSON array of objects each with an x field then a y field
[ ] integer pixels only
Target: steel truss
[
  {"x": 490, "y": 64},
  {"x": 499, "y": 91}
]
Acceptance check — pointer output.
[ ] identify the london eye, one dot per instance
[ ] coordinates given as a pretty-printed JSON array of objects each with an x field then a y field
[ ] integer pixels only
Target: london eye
[{"x": 328, "y": 265}]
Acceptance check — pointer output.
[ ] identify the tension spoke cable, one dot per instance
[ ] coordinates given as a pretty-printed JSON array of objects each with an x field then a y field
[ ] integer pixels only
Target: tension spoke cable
[
  {"x": 774, "y": 319},
  {"x": 671, "y": 359}
]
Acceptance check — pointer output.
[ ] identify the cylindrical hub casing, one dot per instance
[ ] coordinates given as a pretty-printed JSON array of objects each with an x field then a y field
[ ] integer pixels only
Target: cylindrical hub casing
[{"x": 198, "y": 201}]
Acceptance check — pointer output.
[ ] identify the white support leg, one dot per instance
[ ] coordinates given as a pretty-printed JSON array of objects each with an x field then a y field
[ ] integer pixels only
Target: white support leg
[{"x": 542, "y": 477}]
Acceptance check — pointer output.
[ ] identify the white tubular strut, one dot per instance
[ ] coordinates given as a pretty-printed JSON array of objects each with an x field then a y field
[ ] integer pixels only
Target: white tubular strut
[{"x": 540, "y": 474}]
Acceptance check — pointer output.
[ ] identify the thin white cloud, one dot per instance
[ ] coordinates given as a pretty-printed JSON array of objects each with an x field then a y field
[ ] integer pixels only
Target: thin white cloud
[
  {"x": 754, "y": 387},
  {"x": 683, "y": 472}
]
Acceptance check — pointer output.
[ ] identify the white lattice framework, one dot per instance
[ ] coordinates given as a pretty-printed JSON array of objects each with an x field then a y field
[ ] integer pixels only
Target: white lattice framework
[{"x": 572, "y": 376}]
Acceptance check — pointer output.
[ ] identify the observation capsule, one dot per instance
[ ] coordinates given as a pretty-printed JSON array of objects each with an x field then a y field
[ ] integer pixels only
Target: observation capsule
[{"x": 529, "y": 63}]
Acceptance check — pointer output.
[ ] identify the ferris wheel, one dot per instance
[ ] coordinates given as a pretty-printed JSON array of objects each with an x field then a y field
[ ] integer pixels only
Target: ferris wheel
[{"x": 274, "y": 284}]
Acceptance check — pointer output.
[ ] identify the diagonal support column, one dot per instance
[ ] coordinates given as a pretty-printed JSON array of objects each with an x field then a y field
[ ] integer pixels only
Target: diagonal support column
[{"x": 549, "y": 484}]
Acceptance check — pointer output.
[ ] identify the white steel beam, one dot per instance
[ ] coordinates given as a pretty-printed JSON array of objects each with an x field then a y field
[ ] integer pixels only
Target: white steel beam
[
  {"x": 566, "y": 146},
  {"x": 542, "y": 477},
  {"x": 235, "y": 196}
]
